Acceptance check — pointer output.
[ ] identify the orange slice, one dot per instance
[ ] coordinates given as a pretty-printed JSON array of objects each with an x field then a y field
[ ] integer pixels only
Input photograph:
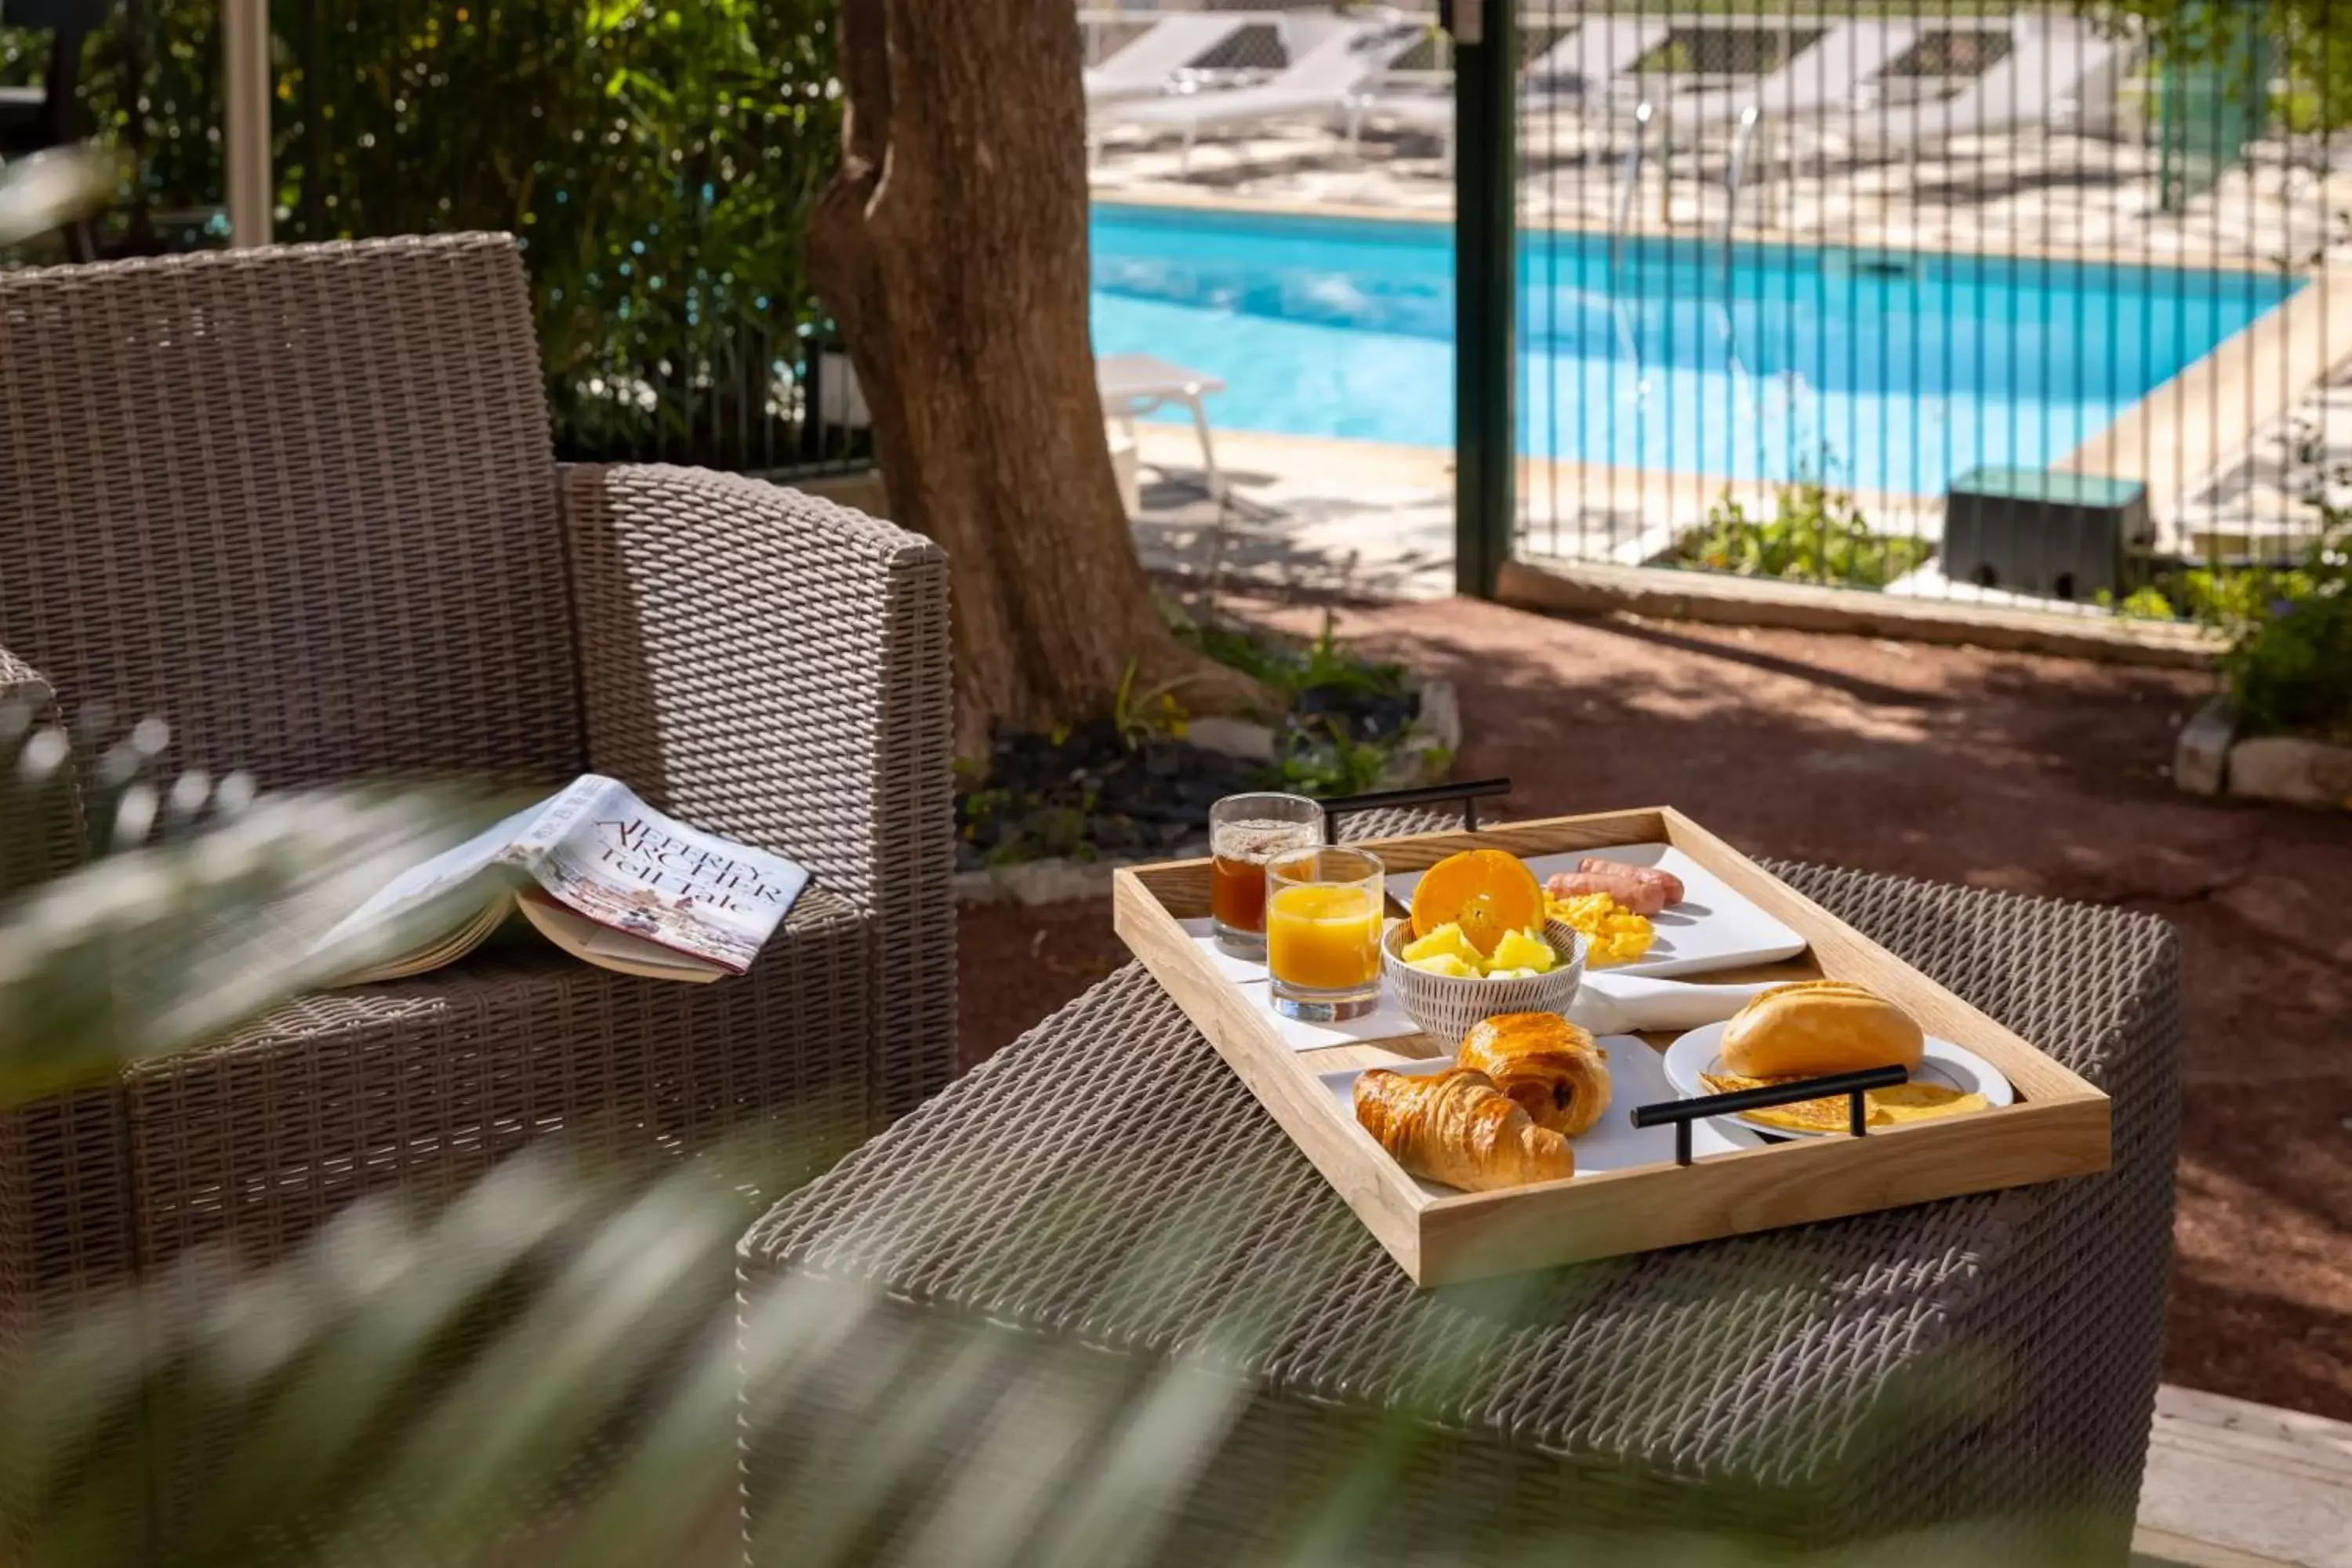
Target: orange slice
[{"x": 1487, "y": 892}]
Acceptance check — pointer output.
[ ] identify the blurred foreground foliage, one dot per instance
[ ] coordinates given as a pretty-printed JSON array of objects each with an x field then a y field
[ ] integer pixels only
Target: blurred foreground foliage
[
  {"x": 39, "y": 195},
  {"x": 657, "y": 160}
]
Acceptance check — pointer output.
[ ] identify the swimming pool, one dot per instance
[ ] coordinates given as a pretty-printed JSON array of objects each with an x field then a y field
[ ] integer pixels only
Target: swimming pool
[{"x": 1895, "y": 370}]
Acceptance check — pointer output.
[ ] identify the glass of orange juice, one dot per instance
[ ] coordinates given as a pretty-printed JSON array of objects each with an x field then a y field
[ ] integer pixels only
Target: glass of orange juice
[{"x": 1323, "y": 919}]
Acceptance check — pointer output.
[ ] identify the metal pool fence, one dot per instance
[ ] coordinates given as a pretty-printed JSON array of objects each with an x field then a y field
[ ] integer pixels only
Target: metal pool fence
[
  {"x": 1939, "y": 298},
  {"x": 1934, "y": 296},
  {"x": 2025, "y": 306}
]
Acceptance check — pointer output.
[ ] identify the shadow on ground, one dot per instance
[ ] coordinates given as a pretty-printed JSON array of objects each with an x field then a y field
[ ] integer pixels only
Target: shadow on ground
[{"x": 1323, "y": 544}]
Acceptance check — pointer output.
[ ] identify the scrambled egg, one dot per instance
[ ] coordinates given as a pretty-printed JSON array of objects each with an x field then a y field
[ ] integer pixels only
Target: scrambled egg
[{"x": 1618, "y": 934}]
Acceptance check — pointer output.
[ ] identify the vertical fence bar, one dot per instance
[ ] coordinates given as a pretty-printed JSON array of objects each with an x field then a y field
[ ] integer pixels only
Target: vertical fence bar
[
  {"x": 1486, "y": 292},
  {"x": 309, "y": 45}
]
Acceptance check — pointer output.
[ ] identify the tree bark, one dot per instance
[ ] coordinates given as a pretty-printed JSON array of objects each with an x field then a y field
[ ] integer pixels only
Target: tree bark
[{"x": 951, "y": 250}]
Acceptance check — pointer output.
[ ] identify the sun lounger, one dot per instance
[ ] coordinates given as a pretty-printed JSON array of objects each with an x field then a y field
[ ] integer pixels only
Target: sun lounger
[
  {"x": 2060, "y": 74},
  {"x": 1147, "y": 65},
  {"x": 1584, "y": 63},
  {"x": 1825, "y": 78},
  {"x": 1577, "y": 70},
  {"x": 1331, "y": 60},
  {"x": 1133, "y": 385}
]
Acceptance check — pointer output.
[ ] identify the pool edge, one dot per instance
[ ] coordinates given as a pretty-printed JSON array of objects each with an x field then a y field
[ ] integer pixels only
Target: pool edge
[
  {"x": 2250, "y": 379},
  {"x": 1863, "y": 237}
]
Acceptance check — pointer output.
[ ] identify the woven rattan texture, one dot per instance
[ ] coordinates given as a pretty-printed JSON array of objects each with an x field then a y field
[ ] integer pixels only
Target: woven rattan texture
[
  {"x": 775, "y": 667},
  {"x": 424, "y": 1083},
  {"x": 300, "y": 502},
  {"x": 63, "y": 1209},
  {"x": 1049, "y": 1191},
  {"x": 59, "y": 1163},
  {"x": 2066, "y": 1350}
]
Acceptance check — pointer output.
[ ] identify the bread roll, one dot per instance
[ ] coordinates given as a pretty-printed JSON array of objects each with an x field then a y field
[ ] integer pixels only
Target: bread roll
[{"x": 1817, "y": 1027}]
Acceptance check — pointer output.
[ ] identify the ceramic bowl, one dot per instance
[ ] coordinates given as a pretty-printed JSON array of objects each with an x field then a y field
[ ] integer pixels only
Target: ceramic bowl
[{"x": 1446, "y": 1007}]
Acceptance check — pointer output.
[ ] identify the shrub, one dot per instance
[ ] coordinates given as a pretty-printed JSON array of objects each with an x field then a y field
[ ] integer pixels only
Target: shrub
[
  {"x": 2302, "y": 44},
  {"x": 1816, "y": 534},
  {"x": 658, "y": 161},
  {"x": 2289, "y": 663},
  {"x": 2295, "y": 673}
]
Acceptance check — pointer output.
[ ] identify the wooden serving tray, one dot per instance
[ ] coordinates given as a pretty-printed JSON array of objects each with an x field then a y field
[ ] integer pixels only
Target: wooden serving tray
[{"x": 2059, "y": 1126}]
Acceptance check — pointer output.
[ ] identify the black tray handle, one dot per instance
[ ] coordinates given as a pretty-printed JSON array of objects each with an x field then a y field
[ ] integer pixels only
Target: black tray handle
[
  {"x": 1682, "y": 1113},
  {"x": 1469, "y": 792}
]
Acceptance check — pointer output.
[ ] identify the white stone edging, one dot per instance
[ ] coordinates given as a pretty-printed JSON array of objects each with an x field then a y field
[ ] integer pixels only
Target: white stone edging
[{"x": 2208, "y": 758}]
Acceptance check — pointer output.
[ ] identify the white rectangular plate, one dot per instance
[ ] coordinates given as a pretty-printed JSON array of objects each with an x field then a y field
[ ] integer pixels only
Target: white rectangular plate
[
  {"x": 1637, "y": 1076},
  {"x": 1712, "y": 928}
]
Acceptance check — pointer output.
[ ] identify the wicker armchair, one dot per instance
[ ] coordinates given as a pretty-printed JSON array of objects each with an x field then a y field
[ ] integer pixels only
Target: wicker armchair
[{"x": 302, "y": 504}]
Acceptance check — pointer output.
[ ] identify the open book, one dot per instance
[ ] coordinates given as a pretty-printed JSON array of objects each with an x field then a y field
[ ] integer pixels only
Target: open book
[{"x": 603, "y": 874}]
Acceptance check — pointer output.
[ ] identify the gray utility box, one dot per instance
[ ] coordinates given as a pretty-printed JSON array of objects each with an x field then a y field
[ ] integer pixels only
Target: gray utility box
[{"x": 2032, "y": 531}]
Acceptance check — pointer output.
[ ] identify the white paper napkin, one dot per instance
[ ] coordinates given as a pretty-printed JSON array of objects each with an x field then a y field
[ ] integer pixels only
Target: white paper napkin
[
  {"x": 1610, "y": 1004},
  {"x": 1203, "y": 932},
  {"x": 1385, "y": 1022}
]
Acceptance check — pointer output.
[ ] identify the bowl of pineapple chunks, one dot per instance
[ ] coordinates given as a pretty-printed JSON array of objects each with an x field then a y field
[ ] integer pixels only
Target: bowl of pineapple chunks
[{"x": 1446, "y": 983}]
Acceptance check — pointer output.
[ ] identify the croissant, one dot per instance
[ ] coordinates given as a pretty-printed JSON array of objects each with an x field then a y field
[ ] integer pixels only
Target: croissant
[
  {"x": 1458, "y": 1128},
  {"x": 1546, "y": 1063}
]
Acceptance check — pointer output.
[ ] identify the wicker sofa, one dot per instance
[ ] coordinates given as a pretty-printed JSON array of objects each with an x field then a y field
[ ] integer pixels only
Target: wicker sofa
[{"x": 303, "y": 504}]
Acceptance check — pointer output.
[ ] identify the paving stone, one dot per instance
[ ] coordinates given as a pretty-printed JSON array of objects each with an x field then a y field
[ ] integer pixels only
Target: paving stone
[
  {"x": 2275, "y": 1484},
  {"x": 2200, "y": 755},
  {"x": 1234, "y": 737},
  {"x": 2302, "y": 772}
]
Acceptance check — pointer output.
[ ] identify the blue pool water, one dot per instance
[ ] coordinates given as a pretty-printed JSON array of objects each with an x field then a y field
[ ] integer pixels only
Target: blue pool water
[{"x": 1896, "y": 369}]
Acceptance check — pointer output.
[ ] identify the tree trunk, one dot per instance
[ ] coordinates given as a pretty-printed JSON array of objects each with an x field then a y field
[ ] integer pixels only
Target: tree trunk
[{"x": 951, "y": 250}]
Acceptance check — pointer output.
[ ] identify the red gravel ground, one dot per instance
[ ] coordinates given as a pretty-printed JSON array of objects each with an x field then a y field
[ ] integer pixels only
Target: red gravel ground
[{"x": 2031, "y": 774}]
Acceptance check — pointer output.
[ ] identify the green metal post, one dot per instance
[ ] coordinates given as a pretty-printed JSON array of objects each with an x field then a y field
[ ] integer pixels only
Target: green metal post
[{"x": 1485, "y": 289}]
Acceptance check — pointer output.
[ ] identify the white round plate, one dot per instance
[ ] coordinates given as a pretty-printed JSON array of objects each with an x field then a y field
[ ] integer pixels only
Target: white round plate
[{"x": 1953, "y": 1066}]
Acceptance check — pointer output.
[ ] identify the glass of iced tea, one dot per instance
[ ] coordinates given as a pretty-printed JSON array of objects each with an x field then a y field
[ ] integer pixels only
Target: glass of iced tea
[
  {"x": 1246, "y": 831},
  {"x": 1323, "y": 919}
]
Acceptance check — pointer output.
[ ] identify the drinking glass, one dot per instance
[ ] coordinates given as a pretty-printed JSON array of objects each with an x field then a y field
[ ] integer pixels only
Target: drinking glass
[
  {"x": 1323, "y": 919},
  {"x": 1246, "y": 831}
]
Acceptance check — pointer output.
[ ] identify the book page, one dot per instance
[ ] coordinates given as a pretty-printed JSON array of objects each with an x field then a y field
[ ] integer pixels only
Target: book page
[
  {"x": 628, "y": 867},
  {"x": 447, "y": 948},
  {"x": 583, "y": 938},
  {"x": 410, "y": 892}
]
